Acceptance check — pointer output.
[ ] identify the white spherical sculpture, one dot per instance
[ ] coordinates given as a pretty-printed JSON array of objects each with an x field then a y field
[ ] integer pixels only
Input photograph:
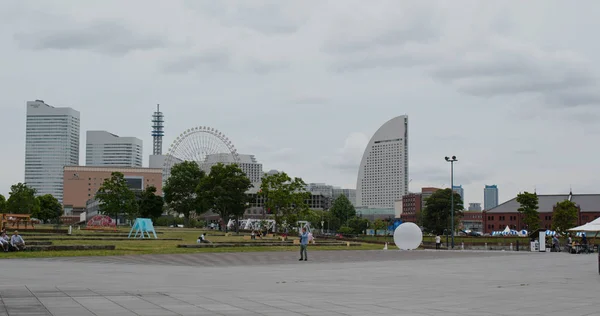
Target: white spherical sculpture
[{"x": 408, "y": 236}]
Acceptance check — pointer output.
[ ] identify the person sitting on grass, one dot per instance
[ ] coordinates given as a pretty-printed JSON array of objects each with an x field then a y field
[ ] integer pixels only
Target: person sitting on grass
[
  {"x": 4, "y": 241},
  {"x": 202, "y": 239},
  {"x": 17, "y": 242}
]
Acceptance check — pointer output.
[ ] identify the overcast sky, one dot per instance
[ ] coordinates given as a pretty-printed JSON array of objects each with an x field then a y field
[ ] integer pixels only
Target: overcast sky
[{"x": 510, "y": 87}]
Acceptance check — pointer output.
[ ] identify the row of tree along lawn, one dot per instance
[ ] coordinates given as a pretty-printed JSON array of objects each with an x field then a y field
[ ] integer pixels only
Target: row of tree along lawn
[
  {"x": 22, "y": 200},
  {"x": 191, "y": 192}
]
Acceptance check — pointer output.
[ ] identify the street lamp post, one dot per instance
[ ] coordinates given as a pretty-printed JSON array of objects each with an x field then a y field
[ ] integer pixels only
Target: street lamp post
[{"x": 452, "y": 160}]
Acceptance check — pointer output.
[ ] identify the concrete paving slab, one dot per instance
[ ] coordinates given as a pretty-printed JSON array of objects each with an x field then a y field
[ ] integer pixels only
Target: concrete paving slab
[{"x": 332, "y": 283}]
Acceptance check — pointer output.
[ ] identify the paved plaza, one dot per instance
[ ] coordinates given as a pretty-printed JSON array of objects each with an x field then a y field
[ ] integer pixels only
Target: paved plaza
[{"x": 331, "y": 283}]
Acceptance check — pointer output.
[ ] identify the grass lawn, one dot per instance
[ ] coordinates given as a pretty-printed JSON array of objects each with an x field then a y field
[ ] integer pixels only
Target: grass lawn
[{"x": 133, "y": 246}]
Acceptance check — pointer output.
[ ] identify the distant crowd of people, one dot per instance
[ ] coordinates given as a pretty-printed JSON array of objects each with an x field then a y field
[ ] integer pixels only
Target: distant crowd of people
[{"x": 12, "y": 243}]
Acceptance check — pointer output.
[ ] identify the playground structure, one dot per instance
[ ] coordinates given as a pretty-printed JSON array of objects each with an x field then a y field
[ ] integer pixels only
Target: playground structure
[
  {"x": 15, "y": 221},
  {"x": 142, "y": 226}
]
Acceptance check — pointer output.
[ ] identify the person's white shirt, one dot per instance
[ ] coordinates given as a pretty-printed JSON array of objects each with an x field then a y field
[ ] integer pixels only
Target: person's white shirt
[
  {"x": 438, "y": 239},
  {"x": 16, "y": 239}
]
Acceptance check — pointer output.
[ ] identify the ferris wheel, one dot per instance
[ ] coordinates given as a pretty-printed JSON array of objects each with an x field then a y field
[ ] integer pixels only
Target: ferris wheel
[{"x": 204, "y": 145}]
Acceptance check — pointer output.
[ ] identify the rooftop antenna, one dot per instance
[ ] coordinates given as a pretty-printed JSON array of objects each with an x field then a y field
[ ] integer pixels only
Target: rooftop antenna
[{"x": 157, "y": 131}]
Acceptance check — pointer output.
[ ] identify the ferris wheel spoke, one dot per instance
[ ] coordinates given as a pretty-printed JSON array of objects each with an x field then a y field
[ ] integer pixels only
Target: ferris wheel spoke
[{"x": 197, "y": 144}]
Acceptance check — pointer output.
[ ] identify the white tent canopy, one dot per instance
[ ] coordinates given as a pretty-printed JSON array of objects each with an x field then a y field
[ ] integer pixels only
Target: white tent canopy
[{"x": 593, "y": 226}]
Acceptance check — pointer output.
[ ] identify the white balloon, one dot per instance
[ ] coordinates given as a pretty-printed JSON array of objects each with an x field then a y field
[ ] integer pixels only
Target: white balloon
[{"x": 408, "y": 236}]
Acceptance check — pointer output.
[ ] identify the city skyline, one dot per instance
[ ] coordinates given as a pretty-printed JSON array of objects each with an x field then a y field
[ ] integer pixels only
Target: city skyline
[{"x": 305, "y": 89}]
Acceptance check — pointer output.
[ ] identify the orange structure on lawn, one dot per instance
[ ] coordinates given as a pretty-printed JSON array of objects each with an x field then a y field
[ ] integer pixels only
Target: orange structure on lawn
[{"x": 15, "y": 220}]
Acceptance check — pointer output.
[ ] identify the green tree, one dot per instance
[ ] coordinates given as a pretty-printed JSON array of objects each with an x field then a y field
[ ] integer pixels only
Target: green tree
[
  {"x": 345, "y": 230},
  {"x": 358, "y": 225},
  {"x": 379, "y": 224},
  {"x": 529, "y": 210},
  {"x": 332, "y": 222},
  {"x": 2, "y": 203},
  {"x": 343, "y": 209},
  {"x": 180, "y": 189},
  {"x": 116, "y": 198},
  {"x": 224, "y": 191},
  {"x": 564, "y": 216},
  {"x": 285, "y": 198},
  {"x": 22, "y": 200},
  {"x": 150, "y": 204},
  {"x": 50, "y": 209},
  {"x": 437, "y": 212}
]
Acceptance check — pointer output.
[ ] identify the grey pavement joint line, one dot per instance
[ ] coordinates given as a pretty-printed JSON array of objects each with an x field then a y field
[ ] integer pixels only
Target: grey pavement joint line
[
  {"x": 141, "y": 297},
  {"x": 276, "y": 307},
  {"x": 125, "y": 308},
  {"x": 3, "y": 305},
  {"x": 37, "y": 299},
  {"x": 74, "y": 300},
  {"x": 180, "y": 300}
]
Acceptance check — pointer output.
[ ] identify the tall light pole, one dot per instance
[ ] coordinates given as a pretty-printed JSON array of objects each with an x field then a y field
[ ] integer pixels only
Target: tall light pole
[{"x": 451, "y": 160}]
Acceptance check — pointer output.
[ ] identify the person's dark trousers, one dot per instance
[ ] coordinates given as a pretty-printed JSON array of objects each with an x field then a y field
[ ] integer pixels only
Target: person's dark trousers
[
  {"x": 438, "y": 245},
  {"x": 303, "y": 253}
]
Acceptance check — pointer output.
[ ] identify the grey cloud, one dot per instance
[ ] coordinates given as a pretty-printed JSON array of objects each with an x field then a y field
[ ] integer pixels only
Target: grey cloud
[
  {"x": 414, "y": 33},
  {"x": 266, "y": 17},
  {"x": 403, "y": 60},
  {"x": 558, "y": 82},
  {"x": 263, "y": 68},
  {"x": 310, "y": 100},
  {"x": 525, "y": 152},
  {"x": 212, "y": 60},
  {"x": 106, "y": 37},
  {"x": 219, "y": 61},
  {"x": 463, "y": 175}
]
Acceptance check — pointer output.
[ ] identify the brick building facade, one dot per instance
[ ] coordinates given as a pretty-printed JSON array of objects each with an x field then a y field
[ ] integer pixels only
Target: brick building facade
[
  {"x": 80, "y": 183},
  {"x": 506, "y": 214},
  {"x": 414, "y": 203}
]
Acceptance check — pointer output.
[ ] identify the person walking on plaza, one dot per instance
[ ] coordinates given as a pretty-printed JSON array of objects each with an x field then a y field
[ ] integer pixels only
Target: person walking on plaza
[
  {"x": 17, "y": 242},
  {"x": 555, "y": 244},
  {"x": 438, "y": 242},
  {"x": 303, "y": 244}
]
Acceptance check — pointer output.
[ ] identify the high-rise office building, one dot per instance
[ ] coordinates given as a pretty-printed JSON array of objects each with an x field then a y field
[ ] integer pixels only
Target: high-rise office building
[
  {"x": 383, "y": 172},
  {"x": 459, "y": 189},
  {"x": 51, "y": 142},
  {"x": 248, "y": 163},
  {"x": 490, "y": 197},
  {"x": 105, "y": 149},
  {"x": 475, "y": 207}
]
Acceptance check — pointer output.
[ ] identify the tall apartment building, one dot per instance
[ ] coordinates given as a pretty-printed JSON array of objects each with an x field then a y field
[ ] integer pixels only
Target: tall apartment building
[
  {"x": 106, "y": 149},
  {"x": 459, "y": 189},
  {"x": 248, "y": 163},
  {"x": 383, "y": 172},
  {"x": 51, "y": 142},
  {"x": 490, "y": 197}
]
